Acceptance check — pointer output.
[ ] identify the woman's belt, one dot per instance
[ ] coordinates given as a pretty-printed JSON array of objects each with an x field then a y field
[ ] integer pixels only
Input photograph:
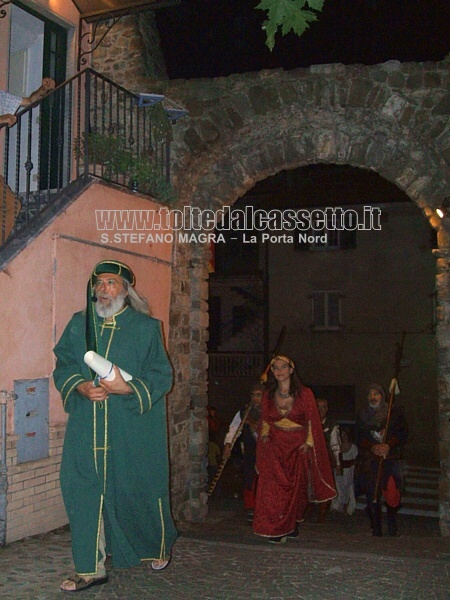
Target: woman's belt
[{"x": 288, "y": 425}]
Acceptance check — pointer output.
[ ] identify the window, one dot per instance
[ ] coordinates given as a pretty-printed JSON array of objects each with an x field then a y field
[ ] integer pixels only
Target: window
[
  {"x": 329, "y": 239},
  {"x": 326, "y": 310}
]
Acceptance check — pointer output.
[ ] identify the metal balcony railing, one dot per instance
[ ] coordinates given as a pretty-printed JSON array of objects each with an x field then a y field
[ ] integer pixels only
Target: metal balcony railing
[
  {"x": 86, "y": 126},
  {"x": 235, "y": 364}
]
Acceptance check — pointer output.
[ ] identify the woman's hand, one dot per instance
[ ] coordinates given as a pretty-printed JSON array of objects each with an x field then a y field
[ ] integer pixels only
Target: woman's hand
[{"x": 304, "y": 448}]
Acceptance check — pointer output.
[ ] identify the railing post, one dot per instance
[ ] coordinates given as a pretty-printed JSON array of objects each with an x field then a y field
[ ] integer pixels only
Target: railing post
[
  {"x": 87, "y": 115},
  {"x": 5, "y": 179}
]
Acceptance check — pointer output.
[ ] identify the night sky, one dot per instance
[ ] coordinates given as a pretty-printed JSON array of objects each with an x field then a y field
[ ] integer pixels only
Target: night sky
[{"x": 210, "y": 38}]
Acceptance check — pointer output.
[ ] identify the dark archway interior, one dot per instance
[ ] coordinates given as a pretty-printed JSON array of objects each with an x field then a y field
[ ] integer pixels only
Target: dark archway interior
[
  {"x": 385, "y": 285},
  {"x": 323, "y": 185}
]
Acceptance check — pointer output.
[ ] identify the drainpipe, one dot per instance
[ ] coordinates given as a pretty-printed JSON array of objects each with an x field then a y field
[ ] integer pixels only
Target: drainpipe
[{"x": 4, "y": 397}]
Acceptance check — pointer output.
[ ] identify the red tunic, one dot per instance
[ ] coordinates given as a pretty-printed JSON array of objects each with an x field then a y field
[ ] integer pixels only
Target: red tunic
[{"x": 288, "y": 478}]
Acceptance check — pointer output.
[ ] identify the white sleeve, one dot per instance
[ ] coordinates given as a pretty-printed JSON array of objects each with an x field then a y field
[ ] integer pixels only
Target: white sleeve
[
  {"x": 335, "y": 443},
  {"x": 233, "y": 428},
  {"x": 9, "y": 103}
]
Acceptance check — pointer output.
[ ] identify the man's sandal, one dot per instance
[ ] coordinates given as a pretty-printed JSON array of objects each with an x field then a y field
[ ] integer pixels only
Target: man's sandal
[
  {"x": 160, "y": 565},
  {"x": 81, "y": 584}
]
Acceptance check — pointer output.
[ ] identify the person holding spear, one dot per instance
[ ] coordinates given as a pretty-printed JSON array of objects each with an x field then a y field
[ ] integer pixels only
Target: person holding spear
[
  {"x": 381, "y": 432},
  {"x": 244, "y": 426}
]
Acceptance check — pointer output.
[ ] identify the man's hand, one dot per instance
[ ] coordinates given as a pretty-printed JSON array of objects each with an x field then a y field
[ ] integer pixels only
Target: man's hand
[
  {"x": 227, "y": 451},
  {"x": 304, "y": 448},
  {"x": 45, "y": 88},
  {"x": 8, "y": 120},
  {"x": 118, "y": 385},
  {"x": 381, "y": 450},
  {"x": 92, "y": 392}
]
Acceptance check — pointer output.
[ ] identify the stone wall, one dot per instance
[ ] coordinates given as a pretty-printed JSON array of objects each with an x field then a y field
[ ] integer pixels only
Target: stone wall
[{"x": 129, "y": 53}]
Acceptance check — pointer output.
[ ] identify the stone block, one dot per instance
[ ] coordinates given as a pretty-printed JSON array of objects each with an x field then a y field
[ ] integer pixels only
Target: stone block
[{"x": 359, "y": 92}]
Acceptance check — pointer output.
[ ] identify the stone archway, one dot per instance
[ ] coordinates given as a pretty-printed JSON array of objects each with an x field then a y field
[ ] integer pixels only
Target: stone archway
[{"x": 389, "y": 118}]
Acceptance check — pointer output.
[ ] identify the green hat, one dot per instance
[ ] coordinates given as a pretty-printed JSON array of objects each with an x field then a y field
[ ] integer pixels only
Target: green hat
[
  {"x": 106, "y": 266},
  {"x": 116, "y": 267}
]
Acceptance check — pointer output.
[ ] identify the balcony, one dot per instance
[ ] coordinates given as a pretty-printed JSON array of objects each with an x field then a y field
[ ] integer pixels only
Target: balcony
[{"x": 88, "y": 127}]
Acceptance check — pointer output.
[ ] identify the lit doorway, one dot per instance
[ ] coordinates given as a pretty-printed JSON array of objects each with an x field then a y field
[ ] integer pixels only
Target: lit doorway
[{"x": 38, "y": 49}]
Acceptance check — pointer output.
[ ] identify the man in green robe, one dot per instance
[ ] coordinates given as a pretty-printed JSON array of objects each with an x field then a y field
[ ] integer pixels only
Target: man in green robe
[{"x": 114, "y": 470}]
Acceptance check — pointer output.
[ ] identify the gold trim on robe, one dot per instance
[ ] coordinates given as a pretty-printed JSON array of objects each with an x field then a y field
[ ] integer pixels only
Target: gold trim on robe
[{"x": 287, "y": 424}]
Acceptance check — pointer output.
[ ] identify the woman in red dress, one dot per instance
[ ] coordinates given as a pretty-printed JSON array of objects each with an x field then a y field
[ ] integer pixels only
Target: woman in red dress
[{"x": 292, "y": 457}]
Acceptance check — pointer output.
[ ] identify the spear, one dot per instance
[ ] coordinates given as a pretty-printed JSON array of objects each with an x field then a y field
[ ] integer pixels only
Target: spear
[
  {"x": 275, "y": 351},
  {"x": 212, "y": 487},
  {"x": 263, "y": 379},
  {"x": 393, "y": 390}
]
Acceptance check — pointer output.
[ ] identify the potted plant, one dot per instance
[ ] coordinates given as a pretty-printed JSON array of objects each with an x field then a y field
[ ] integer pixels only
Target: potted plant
[{"x": 110, "y": 159}]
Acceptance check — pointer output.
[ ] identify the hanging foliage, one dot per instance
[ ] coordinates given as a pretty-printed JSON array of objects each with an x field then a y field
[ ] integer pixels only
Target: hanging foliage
[{"x": 288, "y": 15}]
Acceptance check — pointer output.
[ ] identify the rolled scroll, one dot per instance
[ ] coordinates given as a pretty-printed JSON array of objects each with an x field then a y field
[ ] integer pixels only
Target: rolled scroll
[{"x": 103, "y": 367}]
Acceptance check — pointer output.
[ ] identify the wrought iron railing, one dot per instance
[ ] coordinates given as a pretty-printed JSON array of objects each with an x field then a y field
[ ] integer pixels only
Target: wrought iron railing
[
  {"x": 249, "y": 331},
  {"x": 235, "y": 364},
  {"x": 244, "y": 325},
  {"x": 86, "y": 126}
]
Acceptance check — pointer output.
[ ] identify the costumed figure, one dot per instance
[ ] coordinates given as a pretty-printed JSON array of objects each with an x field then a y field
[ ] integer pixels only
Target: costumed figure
[
  {"x": 249, "y": 433},
  {"x": 333, "y": 441},
  {"x": 345, "y": 481},
  {"x": 114, "y": 470},
  {"x": 292, "y": 457},
  {"x": 370, "y": 432}
]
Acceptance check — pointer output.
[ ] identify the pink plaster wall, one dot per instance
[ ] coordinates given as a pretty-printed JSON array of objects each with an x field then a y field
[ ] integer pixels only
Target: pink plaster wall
[{"x": 43, "y": 286}]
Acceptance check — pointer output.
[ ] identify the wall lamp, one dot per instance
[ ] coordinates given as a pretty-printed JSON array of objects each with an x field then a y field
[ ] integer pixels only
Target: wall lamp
[{"x": 444, "y": 210}]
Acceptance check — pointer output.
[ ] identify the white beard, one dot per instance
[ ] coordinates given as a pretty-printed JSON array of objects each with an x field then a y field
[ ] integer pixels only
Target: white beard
[{"x": 114, "y": 307}]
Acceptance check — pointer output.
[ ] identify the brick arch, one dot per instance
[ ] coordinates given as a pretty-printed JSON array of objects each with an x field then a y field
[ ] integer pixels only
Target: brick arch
[{"x": 390, "y": 118}]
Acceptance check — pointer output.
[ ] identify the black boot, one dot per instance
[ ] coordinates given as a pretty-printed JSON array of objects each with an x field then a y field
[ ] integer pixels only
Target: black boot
[
  {"x": 324, "y": 507},
  {"x": 392, "y": 520},
  {"x": 374, "y": 512}
]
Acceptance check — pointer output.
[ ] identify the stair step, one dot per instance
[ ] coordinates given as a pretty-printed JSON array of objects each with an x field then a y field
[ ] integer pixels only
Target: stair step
[
  {"x": 419, "y": 500},
  {"x": 426, "y": 471},
  {"x": 408, "y": 510},
  {"x": 421, "y": 493}
]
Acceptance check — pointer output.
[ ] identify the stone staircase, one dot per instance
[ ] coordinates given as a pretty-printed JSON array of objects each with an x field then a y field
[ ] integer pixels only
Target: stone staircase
[{"x": 421, "y": 494}]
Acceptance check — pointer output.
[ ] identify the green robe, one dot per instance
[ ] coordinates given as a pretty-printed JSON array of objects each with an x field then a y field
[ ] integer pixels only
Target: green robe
[{"x": 115, "y": 455}]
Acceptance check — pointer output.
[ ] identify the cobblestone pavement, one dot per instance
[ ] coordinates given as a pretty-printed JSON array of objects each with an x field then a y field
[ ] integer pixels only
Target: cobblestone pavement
[{"x": 222, "y": 560}]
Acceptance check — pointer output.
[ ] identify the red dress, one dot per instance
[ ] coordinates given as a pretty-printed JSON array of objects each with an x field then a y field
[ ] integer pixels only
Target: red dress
[{"x": 288, "y": 478}]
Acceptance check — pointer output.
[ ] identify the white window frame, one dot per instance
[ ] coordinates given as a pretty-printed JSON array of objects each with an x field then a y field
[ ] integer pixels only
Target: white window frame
[
  {"x": 333, "y": 240},
  {"x": 326, "y": 296}
]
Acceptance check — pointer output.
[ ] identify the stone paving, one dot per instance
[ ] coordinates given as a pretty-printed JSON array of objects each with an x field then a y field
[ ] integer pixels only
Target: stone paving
[{"x": 222, "y": 560}]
